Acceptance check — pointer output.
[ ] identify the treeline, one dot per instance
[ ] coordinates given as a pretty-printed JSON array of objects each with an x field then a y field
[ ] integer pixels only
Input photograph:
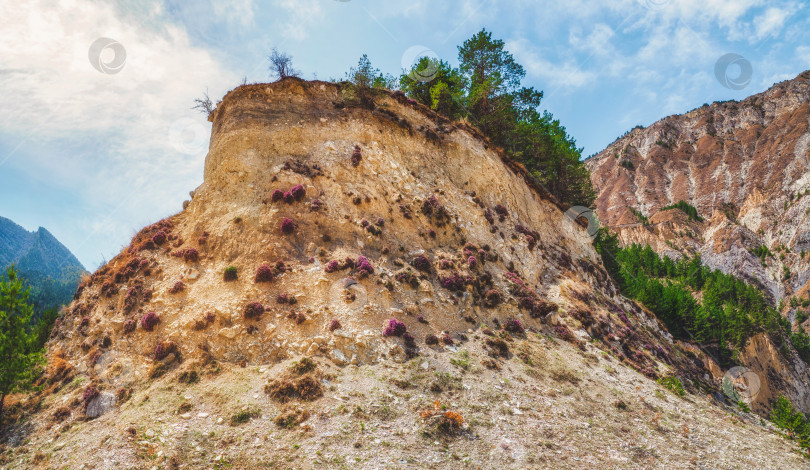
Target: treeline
[
  {"x": 21, "y": 340},
  {"x": 696, "y": 302},
  {"x": 485, "y": 89},
  {"x": 45, "y": 297}
]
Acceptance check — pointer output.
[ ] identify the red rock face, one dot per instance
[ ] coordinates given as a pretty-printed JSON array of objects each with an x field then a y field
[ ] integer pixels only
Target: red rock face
[{"x": 744, "y": 165}]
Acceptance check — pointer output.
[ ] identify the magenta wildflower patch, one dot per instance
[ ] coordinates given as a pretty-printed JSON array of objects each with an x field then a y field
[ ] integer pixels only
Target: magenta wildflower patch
[
  {"x": 253, "y": 310},
  {"x": 287, "y": 226},
  {"x": 394, "y": 328},
  {"x": 264, "y": 273},
  {"x": 149, "y": 320}
]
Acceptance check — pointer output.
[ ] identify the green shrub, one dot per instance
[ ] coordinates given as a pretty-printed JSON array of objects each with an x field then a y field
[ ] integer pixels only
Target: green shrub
[
  {"x": 641, "y": 217},
  {"x": 243, "y": 416},
  {"x": 673, "y": 384},
  {"x": 687, "y": 208},
  {"x": 786, "y": 417}
]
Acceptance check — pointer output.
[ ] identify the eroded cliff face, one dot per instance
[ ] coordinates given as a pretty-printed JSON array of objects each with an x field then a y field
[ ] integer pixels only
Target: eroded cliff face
[
  {"x": 745, "y": 166},
  {"x": 414, "y": 267},
  {"x": 419, "y": 193}
]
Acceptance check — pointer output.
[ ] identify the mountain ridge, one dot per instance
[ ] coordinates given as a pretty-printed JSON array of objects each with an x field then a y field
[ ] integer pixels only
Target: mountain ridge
[{"x": 43, "y": 261}]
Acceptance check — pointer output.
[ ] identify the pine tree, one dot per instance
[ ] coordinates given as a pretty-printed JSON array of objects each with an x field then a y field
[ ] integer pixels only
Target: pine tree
[{"x": 19, "y": 365}]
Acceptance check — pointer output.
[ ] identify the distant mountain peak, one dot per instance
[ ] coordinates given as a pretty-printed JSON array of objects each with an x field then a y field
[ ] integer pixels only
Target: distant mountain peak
[{"x": 49, "y": 267}]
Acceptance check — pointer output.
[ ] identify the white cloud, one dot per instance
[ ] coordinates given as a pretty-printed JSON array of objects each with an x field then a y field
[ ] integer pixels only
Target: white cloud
[
  {"x": 597, "y": 42},
  {"x": 771, "y": 22},
  {"x": 115, "y": 127},
  {"x": 237, "y": 13},
  {"x": 803, "y": 54},
  {"x": 553, "y": 75},
  {"x": 302, "y": 15}
]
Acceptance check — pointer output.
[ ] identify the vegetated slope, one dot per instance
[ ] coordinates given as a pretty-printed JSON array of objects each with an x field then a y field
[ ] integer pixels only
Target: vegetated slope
[
  {"x": 368, "y": 284},
  {"x": 726, "y": 182},
  {"x": 51, "y": 270}
]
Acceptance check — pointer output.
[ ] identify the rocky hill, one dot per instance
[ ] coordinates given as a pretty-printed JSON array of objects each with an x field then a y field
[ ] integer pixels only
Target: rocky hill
[
  {"x": 52, "y": 271},
  {"x": 743, "y": 165},
  {"x": 360, "y": 283}
]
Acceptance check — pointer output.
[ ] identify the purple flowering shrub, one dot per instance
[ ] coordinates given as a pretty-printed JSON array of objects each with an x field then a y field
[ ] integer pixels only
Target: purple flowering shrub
[
  {"x": 159, "y": 238},
  {"x": 564, "y": 333},
  {"x": 177, "y": 287},
  {"x": 394, "y": 328},
  {"x": 90, "y": 393},
  {"x": 407, "y": 277},
  {"x": 129, "y": 325},
  {"x": 422, "y": 263},
  {"x": 531, "y": 236},
  {"x": 163, "y": 349},
  {"x": 502, "y": 212},
  {"x": 332, "y": 266},
  {"x": 298, "y": 192},
  {"x": 430, "y": 204},
  {"x": 281, "y": 268},
  {"x": 432, "y": 208},
  {"x": 528, "y": 298},
  {"x": 364, "y": 267},
  {"x": 132, "y": 298},
  {"x": 264, "y": 273},
  {"x": 454, "y": 282},
  {"x": 286, "y": 298},
  {"x": 287, "y": 226},
  {"x": 447, "y": 339},
  {"x": 253, "y": 310},
  {"x": 334, "y": 324},
  {"x": 431, "y": 340},
  {"x": 149, "y": 320},
  {"x": 490, "y": 218},
  {"x": 513, "y": 325},
  {"x": 406, "y": 211},
  {"x": 277, "y": 195},
  {"x": 357, "y": 155},
  {"x": 188, "y": 255}
]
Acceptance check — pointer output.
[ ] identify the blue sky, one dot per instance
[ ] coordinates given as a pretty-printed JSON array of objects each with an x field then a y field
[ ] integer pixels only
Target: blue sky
[{"x": 95, "y": 156}]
